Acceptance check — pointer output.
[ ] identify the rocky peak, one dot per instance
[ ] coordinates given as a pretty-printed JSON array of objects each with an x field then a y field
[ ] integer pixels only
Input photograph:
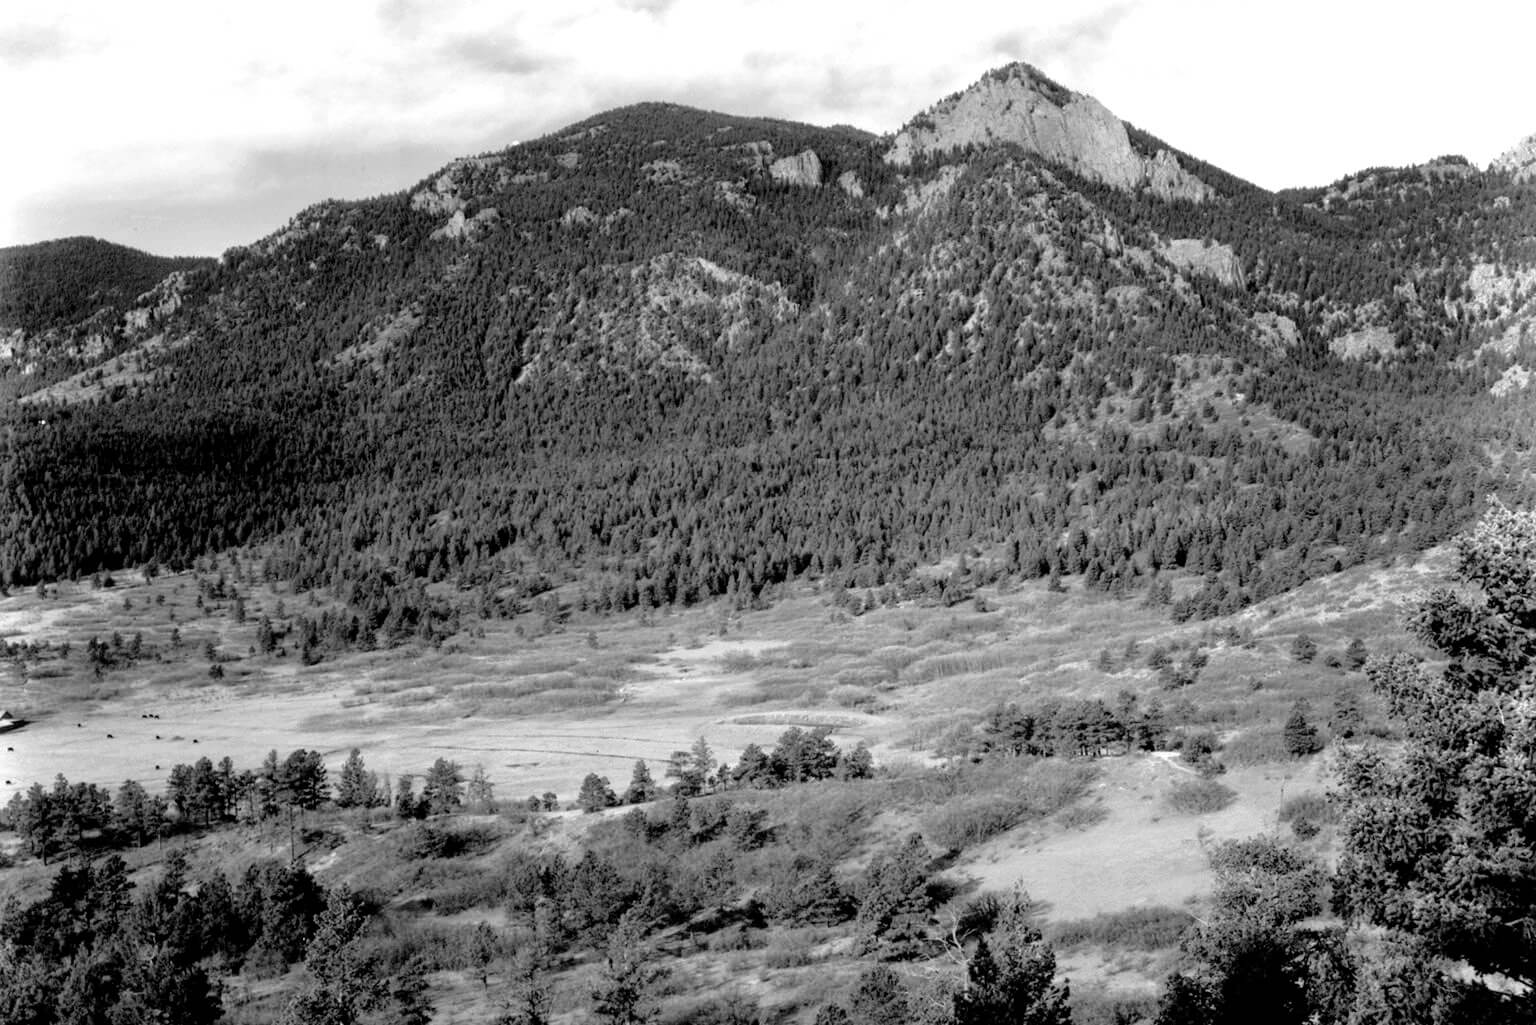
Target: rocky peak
[
  {"x": 1520, "y": 161},
  {"x": 1018, "y": 104}
]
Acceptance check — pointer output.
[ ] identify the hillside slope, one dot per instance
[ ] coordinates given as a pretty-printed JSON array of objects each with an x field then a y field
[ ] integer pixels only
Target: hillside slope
[{"x": 668, "y": 354}]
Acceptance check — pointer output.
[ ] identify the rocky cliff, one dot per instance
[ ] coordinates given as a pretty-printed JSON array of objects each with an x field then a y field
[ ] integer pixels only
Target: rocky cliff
[
  {"x": 1519, "y": 161},
  {"x": 1018, "y": 104}
]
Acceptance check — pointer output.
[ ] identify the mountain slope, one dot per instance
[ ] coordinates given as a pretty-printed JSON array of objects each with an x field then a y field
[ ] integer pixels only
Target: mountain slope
[{"x": 668, "y": 354}]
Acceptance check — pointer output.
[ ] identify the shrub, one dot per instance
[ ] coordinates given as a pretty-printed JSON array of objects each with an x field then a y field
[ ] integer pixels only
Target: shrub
[
  {"x": 1307, "y": 814},
  {"x": 1030, "y": 792},
  {"x": 1199, "y": 797},
  {"x": 1256, "y": 747},
  {"x": 1303, "y": 648},
  {"x": 1154, "y": 928}
]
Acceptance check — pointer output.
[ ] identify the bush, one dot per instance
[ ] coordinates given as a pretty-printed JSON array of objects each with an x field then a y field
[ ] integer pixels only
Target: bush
[
  {"x": 1307, "y": 814},
  {"x": 1256, "y": 747},
  {"x": 1303, "y": 648},
  {"x": 1024, "y": 791},
  {"x": 1199, "y": 797},
  {"x": 1154, "y": 928}
]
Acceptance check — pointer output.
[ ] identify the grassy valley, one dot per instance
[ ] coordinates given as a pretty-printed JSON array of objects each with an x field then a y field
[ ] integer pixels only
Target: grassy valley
[{"x": 1111, "y": 847}]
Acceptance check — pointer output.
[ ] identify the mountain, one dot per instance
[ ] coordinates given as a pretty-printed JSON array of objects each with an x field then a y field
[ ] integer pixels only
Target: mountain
[{"x": 665, "y": 354}]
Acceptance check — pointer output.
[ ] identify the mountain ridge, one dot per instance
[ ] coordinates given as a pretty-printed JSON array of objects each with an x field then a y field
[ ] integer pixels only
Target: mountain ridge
[{"x": 664, "y": 355}]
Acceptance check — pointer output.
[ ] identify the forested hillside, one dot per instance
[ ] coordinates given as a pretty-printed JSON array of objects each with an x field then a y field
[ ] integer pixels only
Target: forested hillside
[{"x": 671, "y": 354}]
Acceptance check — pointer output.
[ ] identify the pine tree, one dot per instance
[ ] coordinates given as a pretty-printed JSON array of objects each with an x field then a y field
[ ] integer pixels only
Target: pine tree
[
  {"x": 893, "y": 915},
  {"x": 596, "y": 794},
  {"x": 1437, "y": 836},
  {"x": 480, "y": 792},
  {"x": 443, "y": 789},
  {"x": 626, "y": 992},
  {"x": 343, "y": 984},
  {"x": 642, "y": 788},
  {"x": 1300, "y": 735},
  {"x": 352, "y": 788}
]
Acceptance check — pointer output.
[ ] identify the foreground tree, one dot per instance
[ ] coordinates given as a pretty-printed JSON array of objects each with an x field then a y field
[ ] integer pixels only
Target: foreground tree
[
  {"x": 343, "y": 984},
  {"x": 1011, "y": 975},
  {"x": 626, "y": 991},
  {"x": 1254, "y": 960},
  {"x": 1440, "y": 837}
]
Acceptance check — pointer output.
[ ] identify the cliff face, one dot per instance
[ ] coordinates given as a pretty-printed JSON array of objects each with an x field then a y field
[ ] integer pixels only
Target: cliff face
[
  {"x": 1519, "y": 161},
  {"x": 1018, "y": 104}
]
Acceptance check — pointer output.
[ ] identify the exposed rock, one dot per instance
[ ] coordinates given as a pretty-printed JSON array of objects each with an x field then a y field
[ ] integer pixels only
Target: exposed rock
[
  {"x": 378, "y": 340},
  {"x": 460, "y": 227},
  {"x": 735, "y": 194},
  {"x": 570, "y": 160},
  {"x": 1018, "y": 104},
  {"x": 758, "y": 153},
  {"x": 660, "y": 172},
  {"x": 1209, "y": 258},
  {"x": 803, "y": 168},
  {"x": 1519, "y": 162},
  {"x": 1364, "y": 342},
  {"x": 440, "y": 198},
  {"x": 849, "y": 183},
  {"x": 1494, "y": 287},
  {"x": 578, "y": 216},
  {"x": 1277, "y": 331},
  {"x": 1515, "y": 378},
  {"x": 922, "y": 198},
  {"x": 158, "y": 303}
]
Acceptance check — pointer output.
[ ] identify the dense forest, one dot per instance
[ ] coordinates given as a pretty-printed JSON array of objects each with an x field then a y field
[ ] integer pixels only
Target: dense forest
[
  {"x": 72, "y": 279},
  {"x": 647, "y": 357}
]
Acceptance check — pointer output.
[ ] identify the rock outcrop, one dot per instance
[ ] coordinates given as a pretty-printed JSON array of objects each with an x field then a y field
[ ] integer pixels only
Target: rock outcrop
[
  {"x": 1209, "y": 258},
  {"x": 460, "y": 227},
  {"x": 1514, "y": 379},
  {"x": 804, "y": 168},
  {"x": 1018, "y": 104},
  {"x": 1520, "y": 161}
]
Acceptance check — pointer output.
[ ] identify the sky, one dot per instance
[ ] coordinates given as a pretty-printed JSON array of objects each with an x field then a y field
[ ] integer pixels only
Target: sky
[{"x": 184, "y": 128}]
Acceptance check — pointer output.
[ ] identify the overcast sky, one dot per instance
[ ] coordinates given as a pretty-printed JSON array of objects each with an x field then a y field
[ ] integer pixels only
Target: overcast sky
[{"x": 188, "y": 127}]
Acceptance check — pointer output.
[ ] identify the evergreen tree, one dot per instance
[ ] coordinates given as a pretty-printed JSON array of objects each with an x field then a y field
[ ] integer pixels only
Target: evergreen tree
[
  {"x": 626, "y": 991},
  {"x": 1438, "y": 847},
  {"x": 443, "y": 789},
  {"x": 343, "y": 984},
  {"x": 642, "y": 788},
  {"x": 892, "y": 918},
  {"x": 1300, "y": 735},
  {"x": 595, "y": 794},
  {"x": 356, "y": 785}
]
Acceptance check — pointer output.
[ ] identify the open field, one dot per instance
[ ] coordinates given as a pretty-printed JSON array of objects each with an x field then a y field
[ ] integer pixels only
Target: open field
[
  {"x": 538, "y": 705},
  {"x": 539, "y": 708}
]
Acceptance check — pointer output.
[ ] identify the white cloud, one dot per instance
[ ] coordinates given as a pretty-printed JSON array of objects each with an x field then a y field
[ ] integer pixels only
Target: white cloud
[{"x": 289, "y": 102}]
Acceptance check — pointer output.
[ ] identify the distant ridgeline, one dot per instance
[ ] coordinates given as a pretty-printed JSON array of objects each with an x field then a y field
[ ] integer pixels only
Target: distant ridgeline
[{"x": 673, "y": 354}]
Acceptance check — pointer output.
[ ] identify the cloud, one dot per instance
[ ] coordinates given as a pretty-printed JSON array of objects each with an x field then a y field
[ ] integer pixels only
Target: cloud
[
  {"x": 21, "y": 45},
  {"x": 212, "y": 103},
  {"x": 652, "y": 7},
  {"x": 1073, "y": 44},
  {"x": 500, "y": 57}
]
